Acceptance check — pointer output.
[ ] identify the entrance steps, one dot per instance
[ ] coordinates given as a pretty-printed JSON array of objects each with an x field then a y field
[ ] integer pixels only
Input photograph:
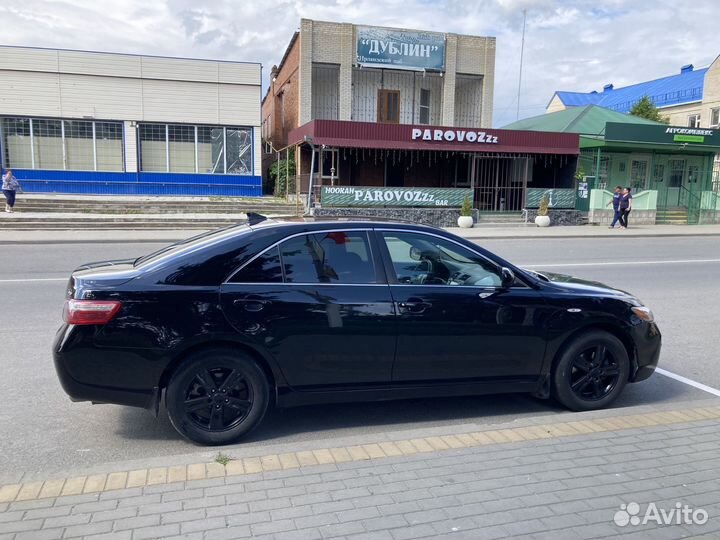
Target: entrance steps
[
  {"x": 502, "y": 219},
  {"x": 671, "y": 216}
]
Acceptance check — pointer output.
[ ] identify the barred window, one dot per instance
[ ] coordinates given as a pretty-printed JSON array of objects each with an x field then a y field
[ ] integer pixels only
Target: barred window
[
  {"x": 181, "y": 146},
  {"x": 79, "y": 146},
  {"x": 211, "y": 154},
  {"x": 109, "y": 146},
  {"x": 48, "y": 144},
  {"x": 239, "y": 151},
  {"x": 153, "y": 148},
  {"x": 62, "y": 144},
  {"x": 16, "y": 143}
]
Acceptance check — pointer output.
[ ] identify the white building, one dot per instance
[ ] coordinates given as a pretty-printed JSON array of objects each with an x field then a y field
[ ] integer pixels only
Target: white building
[{"x": 90, "y": 122}]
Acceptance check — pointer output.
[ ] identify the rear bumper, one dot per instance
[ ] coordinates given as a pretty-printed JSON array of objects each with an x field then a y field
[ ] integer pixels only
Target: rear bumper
[
  {"x": 648, "y": 343},
  {"x": 85, "y": 391}
]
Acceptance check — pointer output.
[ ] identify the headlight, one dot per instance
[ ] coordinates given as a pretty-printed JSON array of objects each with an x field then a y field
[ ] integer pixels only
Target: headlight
[{"x": 643, "y": 313}]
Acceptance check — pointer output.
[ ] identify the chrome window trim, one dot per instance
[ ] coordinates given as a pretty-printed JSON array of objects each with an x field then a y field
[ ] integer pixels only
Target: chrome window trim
[
  {"x": 303, "y": 233},
  {"x": 381, "y": 230}
]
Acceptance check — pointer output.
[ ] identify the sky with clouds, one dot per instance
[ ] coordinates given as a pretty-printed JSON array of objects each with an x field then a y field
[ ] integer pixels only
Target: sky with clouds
[{"x": 578, "y": 45}]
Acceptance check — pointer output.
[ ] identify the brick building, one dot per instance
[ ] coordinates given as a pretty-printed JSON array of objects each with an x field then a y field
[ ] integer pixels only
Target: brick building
[{"x": 372, "y": 106}]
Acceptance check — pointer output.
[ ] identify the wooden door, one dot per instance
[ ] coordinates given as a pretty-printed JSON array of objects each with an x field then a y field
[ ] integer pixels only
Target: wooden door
[{"x": 388, "y": 106}]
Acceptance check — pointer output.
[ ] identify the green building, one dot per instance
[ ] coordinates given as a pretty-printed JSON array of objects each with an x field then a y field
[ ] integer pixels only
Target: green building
[{"x": 668, "y": 167}]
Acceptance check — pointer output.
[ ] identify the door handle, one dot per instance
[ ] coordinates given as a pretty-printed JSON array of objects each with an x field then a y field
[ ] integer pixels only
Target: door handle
[
  {"x": 413, "y": 306},
  {"x": 486, "y": 294},
  {"x": 251, "y": 304}
]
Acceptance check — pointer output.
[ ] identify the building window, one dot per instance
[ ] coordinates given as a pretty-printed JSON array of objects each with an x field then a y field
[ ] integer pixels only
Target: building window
[
  {"x": 715, "y": 117},
  {"x": 424, "y": 106},
  {"x": 211, "y": 156},
  {"x": 153, "y": 147},
  {"x": 48, "y": 144},
  {"x": 16, "y": 143},
  {"x": 73, "y": 145},
  {"x": 181, "y": 148},
  {"x": 109, "y": 146},
  {"x": 195, "y": 149},
  {"x": 694, "y": 121},
  {"x": 79, "y": 146}
]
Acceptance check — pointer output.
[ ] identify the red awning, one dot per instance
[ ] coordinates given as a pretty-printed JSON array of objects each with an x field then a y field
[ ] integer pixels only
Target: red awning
[{"x": 344, "y": 134}]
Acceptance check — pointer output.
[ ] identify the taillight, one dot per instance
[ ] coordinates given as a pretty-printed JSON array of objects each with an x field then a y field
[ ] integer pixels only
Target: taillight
[{"x": 90, "y": 311}]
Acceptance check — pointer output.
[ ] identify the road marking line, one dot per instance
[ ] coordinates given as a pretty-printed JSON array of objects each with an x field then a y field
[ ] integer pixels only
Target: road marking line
[
  {"x": 701, "y": 386},
  {"x": 368, "y": 452},
  {"x": 28, "y": 280},
  {"x": 618, "y": 263}
]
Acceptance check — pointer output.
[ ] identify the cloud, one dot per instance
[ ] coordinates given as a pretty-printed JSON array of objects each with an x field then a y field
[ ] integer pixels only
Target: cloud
[{"x": 579, "y": 45}]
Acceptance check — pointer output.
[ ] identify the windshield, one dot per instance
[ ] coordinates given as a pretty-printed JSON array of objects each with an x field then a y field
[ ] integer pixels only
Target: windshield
[{"x": 192, "y": 243}]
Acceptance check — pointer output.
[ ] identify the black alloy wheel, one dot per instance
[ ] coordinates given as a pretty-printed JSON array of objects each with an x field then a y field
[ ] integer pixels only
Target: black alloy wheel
[
  {"x": 216, "y": 396},
  {"x": 591, "y": 371},
  {"x": 594, "y": 373}
]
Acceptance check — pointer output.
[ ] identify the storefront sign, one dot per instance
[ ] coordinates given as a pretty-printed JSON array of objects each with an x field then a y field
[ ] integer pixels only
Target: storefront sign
[
  {"x": 453, "y": 135},
  {"x": 661, "y": 134},
  {"x": 400, "y": 49},
  {"x": 557, "y": 198},
  {"x": 375, "y": 196}
]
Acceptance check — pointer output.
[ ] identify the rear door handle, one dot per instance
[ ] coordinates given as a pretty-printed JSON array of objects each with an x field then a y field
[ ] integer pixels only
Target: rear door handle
[{"x": 251, "y": 304}]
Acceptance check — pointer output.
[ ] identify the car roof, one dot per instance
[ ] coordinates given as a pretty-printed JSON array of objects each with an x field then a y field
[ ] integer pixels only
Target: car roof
[{"x": 349, "y": 222}]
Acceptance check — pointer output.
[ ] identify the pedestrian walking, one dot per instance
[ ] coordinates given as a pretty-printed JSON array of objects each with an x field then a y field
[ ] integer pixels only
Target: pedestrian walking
[
  {"x": 625, "y": 207},
  {"x": 10, "y": 186},
  {"x": 616, "y": 205}
]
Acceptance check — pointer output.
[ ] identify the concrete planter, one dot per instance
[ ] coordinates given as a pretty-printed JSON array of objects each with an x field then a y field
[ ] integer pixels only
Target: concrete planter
[
  {"x": 466, "y": 222},
  {"x": 542, "y": 221}
]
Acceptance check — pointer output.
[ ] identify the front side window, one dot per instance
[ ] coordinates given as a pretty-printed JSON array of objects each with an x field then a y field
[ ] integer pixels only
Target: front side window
[
  {"x": 420, "y": 259},
  {"x": 328, "y": 257}
]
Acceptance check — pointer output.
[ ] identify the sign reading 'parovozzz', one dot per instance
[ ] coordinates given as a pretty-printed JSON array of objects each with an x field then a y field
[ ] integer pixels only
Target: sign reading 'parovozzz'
[
  {"x": 373, "y": 196},
  {"x": 400, "y": 49}
]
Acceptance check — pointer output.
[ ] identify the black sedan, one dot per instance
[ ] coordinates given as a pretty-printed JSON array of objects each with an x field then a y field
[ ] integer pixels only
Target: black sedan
[{"x": 286, "y": 313}]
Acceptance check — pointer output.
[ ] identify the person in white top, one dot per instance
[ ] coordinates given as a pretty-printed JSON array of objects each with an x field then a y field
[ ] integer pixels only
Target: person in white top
[{"x": 10, "y": 185}]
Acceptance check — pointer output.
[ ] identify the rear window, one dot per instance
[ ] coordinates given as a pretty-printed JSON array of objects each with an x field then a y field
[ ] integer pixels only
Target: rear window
[{"x": 191, "y": 244}]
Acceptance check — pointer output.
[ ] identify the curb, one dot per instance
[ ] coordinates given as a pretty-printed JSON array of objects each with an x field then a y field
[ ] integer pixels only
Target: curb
[{"x": 104, "y": 482}]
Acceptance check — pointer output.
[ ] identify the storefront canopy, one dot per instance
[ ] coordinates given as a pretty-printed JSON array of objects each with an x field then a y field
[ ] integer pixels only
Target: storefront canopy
[{"x": 344, "y": 134}]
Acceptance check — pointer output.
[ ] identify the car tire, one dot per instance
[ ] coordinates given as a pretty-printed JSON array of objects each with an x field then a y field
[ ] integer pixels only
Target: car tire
[
  {"x": 216, "y": 396},
  {"x": 591, "y": 371}
]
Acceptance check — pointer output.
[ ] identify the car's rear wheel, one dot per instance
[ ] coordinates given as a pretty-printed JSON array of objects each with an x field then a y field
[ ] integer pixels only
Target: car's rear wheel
[
  {"x": 591, "y": 372},
  {"x": 216, "y": 396}
]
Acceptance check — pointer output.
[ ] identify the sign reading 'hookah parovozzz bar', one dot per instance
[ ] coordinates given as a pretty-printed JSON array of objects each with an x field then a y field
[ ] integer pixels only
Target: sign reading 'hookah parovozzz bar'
[{"x": 377, "y": 196}]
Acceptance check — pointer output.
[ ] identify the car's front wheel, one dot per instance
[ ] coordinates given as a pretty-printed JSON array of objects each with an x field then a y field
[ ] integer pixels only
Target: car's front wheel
[
  {"x": 216, "y": 396},
  {"x": 591, "y": 371}
]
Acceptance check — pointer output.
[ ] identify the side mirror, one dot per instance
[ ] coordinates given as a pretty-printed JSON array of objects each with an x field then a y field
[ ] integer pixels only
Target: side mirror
[{"x": 507, "y": 277}]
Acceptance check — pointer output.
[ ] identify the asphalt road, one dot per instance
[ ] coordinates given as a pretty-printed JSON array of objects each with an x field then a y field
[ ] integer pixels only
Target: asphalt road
[{"x": 41, "y": 430}]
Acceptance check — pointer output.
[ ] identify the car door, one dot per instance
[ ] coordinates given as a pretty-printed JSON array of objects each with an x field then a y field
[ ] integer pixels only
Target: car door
[
  {"x": 455, "y": 319},
  {"x": 318, "y": 304}
]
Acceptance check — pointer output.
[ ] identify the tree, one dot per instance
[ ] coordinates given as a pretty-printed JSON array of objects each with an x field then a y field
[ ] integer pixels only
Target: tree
[
  {"x": 278, "y": 172},
  {"x": 644, "y": 108}
]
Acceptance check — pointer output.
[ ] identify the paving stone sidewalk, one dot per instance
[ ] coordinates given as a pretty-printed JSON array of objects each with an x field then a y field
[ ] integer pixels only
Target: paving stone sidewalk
[{"x": 566, "y": 486}]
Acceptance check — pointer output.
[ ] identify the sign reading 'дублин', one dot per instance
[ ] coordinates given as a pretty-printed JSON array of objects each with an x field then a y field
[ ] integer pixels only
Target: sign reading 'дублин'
[
  {"x": 400, "y": 49},
  {"x": 374, "y": 196}
]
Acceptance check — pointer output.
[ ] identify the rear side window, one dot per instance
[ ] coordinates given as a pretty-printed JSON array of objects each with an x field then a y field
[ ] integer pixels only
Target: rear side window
[
  {"x": 263, "y": 269},
  {"x": 328, "y": 257}
]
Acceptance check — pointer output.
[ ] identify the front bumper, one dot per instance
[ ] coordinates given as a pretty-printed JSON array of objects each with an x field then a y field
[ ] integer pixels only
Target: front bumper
[{"x": 648, "y": 343}]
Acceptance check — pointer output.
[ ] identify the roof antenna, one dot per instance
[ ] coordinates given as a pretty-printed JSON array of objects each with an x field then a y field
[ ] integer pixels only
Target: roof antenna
[
  {"x": 254, "y": 218},
  {"x": 522, "y": 50}
]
